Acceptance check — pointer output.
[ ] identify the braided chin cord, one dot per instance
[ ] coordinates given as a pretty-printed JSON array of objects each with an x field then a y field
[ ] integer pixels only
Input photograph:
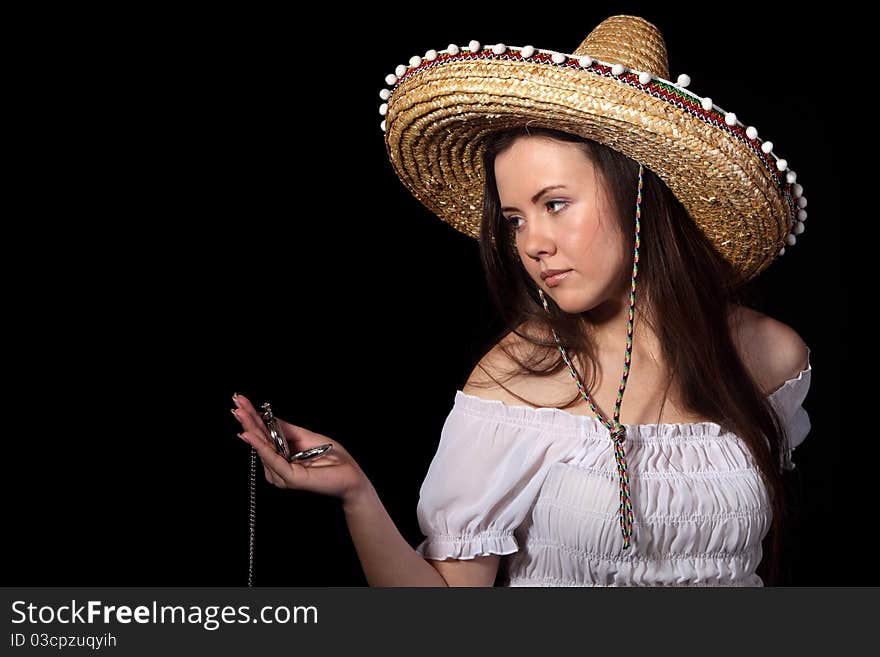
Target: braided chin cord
[{"x": 617, "y": 431}]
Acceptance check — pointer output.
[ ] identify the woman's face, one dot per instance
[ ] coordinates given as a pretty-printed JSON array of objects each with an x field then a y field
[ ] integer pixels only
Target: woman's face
[{"x": 571, "y": 226}]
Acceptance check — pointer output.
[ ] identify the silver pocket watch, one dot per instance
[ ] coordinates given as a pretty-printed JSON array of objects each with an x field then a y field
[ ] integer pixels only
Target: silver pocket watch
[{"x": 281, "y": 442}]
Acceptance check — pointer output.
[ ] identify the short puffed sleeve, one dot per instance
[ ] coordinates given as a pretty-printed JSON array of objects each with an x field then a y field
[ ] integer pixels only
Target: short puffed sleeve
[
  {"x": 788, "y": 401},
  {"x": 484, "y": 477}
]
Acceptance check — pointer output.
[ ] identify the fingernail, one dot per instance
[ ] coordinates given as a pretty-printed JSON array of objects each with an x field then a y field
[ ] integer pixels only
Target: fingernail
[
  {"x": 242, "y": 437},
  {"x": 235, "y": 399},
  {"x": 234, "y": 411}
]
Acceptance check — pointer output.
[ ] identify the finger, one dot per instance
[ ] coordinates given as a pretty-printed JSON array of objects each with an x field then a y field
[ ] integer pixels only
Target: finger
[
  {"x": 246, "y": 414},
  {"x": 279, "y": 471},
  {"x": 249, "y": 422},
  {"x": 289, "y": 474},
  {"x": 300, "y": 437},
  {"x": 248, "y": 410},
  {"x": 258, "y": 428},
  {"x": 267, "y": 473},
  {"x": 273, "y": 479},
  {"x": 276, "y": 479},
  {"x": 271, "y": 459}
]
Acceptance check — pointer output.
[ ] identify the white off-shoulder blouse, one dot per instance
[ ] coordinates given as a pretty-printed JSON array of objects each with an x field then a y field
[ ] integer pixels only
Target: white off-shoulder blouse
[{"x": 540, "y": 486}]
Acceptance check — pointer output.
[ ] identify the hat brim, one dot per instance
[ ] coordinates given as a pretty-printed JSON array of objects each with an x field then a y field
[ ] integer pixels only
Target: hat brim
[{"x": 439, "y": 115}]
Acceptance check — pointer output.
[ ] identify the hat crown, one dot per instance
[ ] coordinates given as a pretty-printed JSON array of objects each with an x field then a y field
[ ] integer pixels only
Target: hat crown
[{"x": 628, "y": 40}]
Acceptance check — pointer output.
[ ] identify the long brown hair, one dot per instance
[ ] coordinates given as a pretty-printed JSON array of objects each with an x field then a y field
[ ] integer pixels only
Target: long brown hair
[{"x": 680, "y": 272}]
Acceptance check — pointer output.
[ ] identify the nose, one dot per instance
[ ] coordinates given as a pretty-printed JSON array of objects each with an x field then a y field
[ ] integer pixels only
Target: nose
[{"x": 537, "y": 238}]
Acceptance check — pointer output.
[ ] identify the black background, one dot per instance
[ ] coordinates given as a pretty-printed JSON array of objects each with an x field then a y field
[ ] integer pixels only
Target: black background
[{"x": 195, "y": 174}]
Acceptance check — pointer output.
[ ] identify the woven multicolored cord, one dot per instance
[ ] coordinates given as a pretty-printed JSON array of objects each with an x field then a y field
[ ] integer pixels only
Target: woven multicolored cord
[{"x": 617, "y": 430}]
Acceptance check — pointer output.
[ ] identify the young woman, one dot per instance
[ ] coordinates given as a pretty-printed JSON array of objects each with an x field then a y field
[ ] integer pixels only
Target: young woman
[{"x": 582, "y": 175}]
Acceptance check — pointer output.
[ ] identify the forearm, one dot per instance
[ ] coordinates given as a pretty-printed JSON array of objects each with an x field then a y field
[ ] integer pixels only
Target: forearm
[{"x": 386, "y": 557}]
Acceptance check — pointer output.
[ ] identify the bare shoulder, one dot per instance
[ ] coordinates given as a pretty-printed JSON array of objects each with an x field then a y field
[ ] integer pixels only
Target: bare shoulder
[
  {"x": 496, "y": 365},
  {"x": 771, "y": 350}
]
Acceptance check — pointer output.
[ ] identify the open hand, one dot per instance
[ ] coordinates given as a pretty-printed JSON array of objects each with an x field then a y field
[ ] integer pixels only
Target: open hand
[{"x": 335, "y": 473}]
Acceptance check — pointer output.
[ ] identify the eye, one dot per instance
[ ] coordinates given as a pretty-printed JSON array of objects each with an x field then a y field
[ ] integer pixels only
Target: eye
[{"x": 511, "y": 221}]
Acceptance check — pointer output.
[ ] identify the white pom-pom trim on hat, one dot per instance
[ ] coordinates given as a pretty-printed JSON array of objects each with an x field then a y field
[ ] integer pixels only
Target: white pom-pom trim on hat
[
  {"x": 798, "y": 228},
  {"x": 782, "y": 251},
  {"x": 802, "y": 215},
  {"x": 797, "y": 190},
  {"x": 617, "y": 69},
  {"x": 790, "y": 239},
  {"x": 382, "y": 125}
]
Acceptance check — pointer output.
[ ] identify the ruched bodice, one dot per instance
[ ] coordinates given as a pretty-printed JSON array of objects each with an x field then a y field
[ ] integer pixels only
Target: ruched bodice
[{"x": 540, "y": 487}]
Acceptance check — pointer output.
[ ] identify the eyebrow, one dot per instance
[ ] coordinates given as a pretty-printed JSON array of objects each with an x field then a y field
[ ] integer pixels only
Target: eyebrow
[{"x": 536, "y": 196}]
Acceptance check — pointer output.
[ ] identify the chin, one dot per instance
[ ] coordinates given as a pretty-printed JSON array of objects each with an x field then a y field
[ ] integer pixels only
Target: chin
[{"x": 571, "y": 301}]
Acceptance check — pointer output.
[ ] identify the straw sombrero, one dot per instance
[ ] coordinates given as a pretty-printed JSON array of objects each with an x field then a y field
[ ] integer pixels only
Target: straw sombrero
[{"x": 613, "y": 89}]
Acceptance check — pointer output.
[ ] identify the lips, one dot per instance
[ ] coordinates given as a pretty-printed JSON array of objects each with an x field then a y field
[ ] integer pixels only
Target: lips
[
  {"x": 554, "y": 279},
  {"x": 547, "y": 273}
]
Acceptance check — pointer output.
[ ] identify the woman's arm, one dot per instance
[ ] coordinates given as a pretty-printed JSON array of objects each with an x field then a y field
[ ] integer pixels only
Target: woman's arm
[
  {"x": 386, "y": 557},
  {"x": 388, "y": 560}
]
